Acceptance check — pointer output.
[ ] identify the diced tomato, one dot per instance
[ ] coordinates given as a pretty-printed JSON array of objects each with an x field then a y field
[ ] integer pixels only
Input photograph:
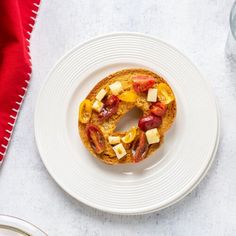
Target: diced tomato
[
  {"x": 149, "y": 122},
  {"x": 110, "y": 107},
  {"x": 130, "y": 135},
  {"x": 140, "y": 147},
  {"x": 85, "y": 111},
  {"x": 158, "y": 109},
  {"x": 165, "y": 94},
  {"x": 96, "y": 138},
  {"x": 142, "y": 83},
  {"x": 128, "y": 96},
  {"x": 112, "y": 100}
]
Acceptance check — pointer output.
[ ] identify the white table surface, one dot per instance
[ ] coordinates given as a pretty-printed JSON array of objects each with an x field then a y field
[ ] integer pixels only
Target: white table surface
[{"x": 196, "y": 27}]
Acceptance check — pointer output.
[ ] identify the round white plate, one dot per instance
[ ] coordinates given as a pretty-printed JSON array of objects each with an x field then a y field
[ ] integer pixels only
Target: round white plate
[
  {"x": 165, "y": 177},
  {"x": 12, "y": 226}
]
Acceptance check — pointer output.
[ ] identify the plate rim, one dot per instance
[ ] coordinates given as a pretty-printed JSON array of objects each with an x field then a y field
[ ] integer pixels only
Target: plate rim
[
  {"x": 138, "y": 211},
  {"x": 7, "y": 221}
]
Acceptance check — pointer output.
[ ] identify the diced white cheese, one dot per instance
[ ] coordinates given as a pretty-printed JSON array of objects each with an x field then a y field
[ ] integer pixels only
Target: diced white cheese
[
  {"x": 114, "y": 139},
  {"x": 152, "y": 95},
  {"x": 116, "y": 88},
  {"x": 119, "y": 150},
  {"x": 97, "y": 106},
  {"x": 153, "y": 136},
  {"x": 101, "y": 94}
]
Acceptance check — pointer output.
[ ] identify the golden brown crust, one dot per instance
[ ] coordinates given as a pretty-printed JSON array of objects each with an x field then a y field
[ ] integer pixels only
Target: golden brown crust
[{"x": 108, "y": 127}]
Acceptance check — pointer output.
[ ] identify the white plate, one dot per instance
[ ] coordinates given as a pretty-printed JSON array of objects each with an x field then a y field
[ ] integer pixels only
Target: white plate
[
  {"x": 12, "y": 226},
  {"x": 161, "y": 180}
]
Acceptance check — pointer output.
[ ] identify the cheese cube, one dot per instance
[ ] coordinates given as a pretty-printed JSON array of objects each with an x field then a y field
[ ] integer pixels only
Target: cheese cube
[
  {"x": 153, "y": 136},
  {"x": 119, "y": 150},
  {"x": 97, "y": 106},
  {"x": 116, "y": 88},
  {"x": 114, "y": 139},
  {"x": 101, "y": 94},
  {"x": 152, "y": 95}
]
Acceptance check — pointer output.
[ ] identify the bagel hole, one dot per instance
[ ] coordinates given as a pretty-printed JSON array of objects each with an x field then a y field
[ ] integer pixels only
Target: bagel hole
[{"x": 129, "y": 120}]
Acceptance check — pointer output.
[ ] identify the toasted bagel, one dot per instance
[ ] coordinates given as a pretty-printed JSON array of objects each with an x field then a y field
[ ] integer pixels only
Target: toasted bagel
[{"x": 108, "y": 127}]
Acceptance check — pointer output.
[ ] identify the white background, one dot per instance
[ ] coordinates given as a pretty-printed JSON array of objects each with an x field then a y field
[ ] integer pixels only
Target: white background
[{"x": 196, "y": 27}]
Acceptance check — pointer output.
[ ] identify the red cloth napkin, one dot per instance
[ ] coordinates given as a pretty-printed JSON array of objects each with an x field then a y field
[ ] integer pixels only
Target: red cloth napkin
[{"x": 17, "y": 18}]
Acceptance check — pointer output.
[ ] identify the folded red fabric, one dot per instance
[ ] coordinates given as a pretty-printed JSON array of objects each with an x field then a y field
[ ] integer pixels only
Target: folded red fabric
[{"x": 17, "y": 18}]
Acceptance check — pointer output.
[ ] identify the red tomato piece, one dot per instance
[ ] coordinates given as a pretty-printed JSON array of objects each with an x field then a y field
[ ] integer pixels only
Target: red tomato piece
[
  {"x": 142, "y": 83},
  {"x": 110, "y": 107},
  {"x": 158, "y": 109},
  {"x": 140, "y": 147},
  {"x": 96, "y": 138},
  {"x": 149, "y": 122}
]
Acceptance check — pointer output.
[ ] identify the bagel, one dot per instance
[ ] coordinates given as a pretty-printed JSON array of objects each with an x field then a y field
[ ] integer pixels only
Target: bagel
[{"x": 106, "y": 104}]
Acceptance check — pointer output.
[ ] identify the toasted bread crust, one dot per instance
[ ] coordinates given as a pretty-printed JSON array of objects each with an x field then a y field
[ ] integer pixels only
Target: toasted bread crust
[{"x": 108, "y": 127}]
